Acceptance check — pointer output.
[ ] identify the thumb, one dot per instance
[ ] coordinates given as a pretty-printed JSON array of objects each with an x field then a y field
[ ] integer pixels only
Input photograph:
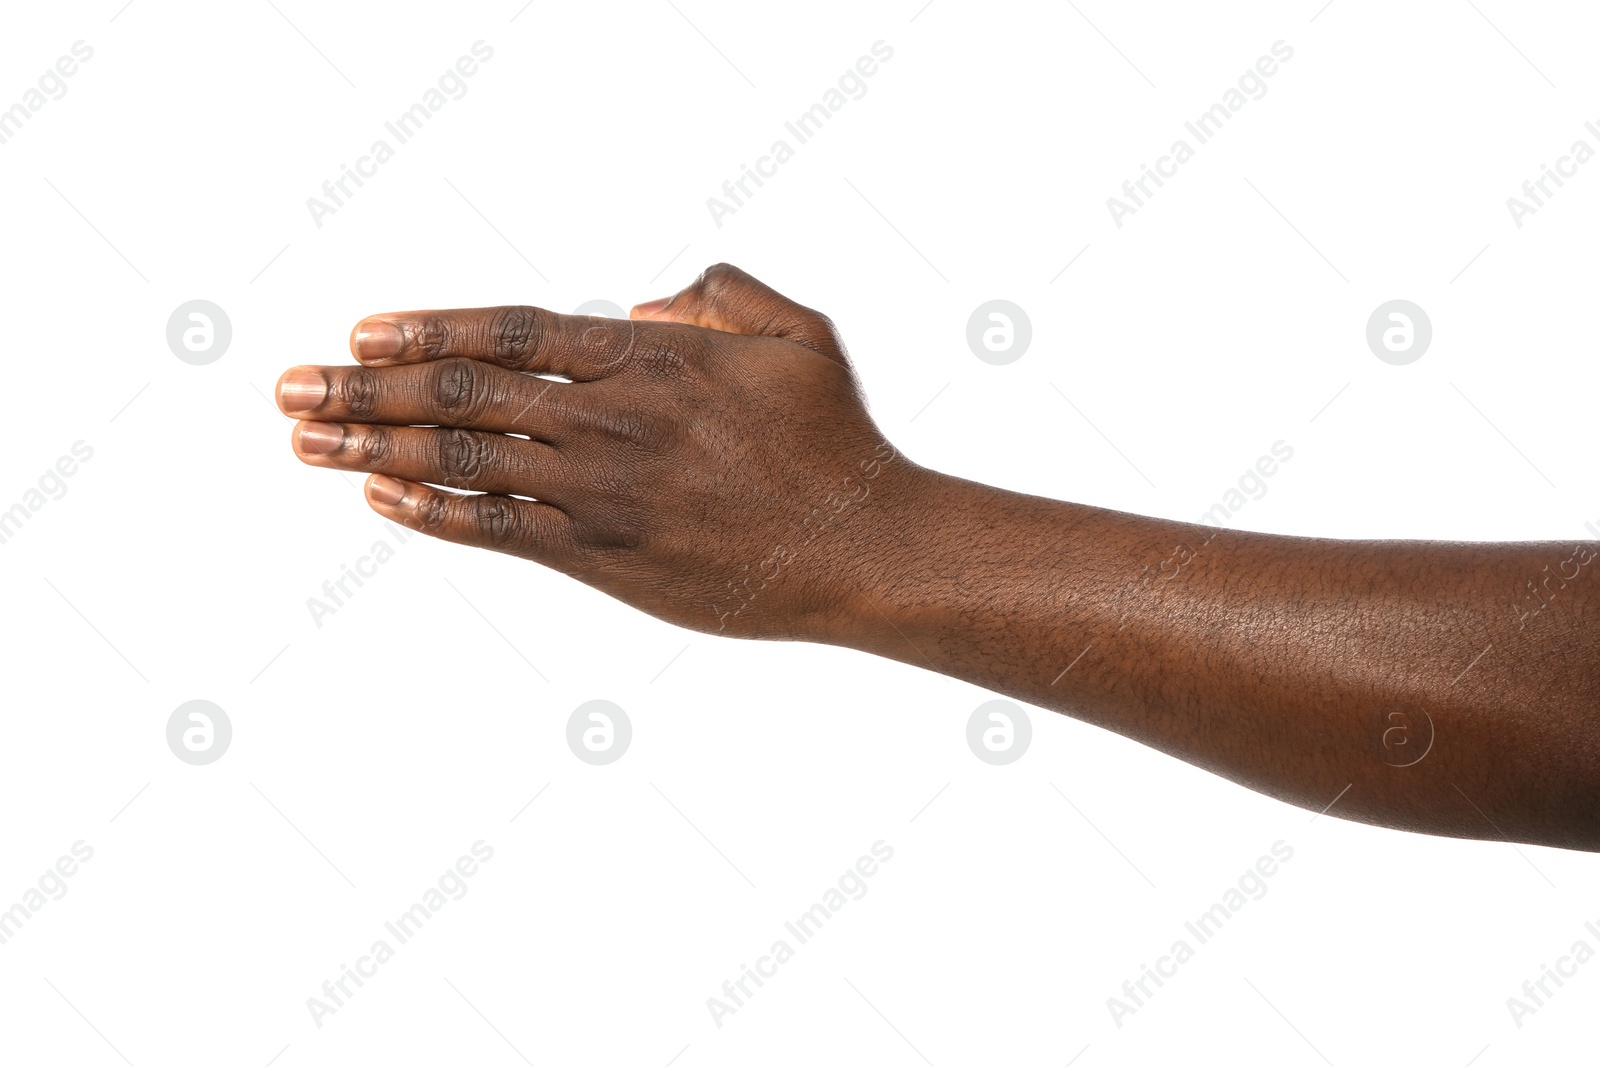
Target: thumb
[{"x": 726, "y": 298}]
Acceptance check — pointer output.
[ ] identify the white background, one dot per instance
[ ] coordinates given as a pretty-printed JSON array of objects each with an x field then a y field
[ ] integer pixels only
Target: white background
[{"x": 368, "y": 754}]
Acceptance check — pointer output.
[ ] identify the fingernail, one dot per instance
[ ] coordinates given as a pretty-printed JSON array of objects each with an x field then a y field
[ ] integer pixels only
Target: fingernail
[
  {"x": 651, "y": 307},
  {"x": 382, "y": 489},
  {"x": 301, "y": 390},
  {"x": 377, "y": 340},
  {"x": 320, "y": 438}
]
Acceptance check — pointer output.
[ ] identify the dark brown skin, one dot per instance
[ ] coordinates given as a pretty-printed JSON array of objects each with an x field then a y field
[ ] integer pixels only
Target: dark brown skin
[{"x": 711, "y": 461}]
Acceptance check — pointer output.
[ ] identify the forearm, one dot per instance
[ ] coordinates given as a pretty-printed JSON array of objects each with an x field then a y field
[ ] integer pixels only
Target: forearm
[{"x": 1424, "y": 676}]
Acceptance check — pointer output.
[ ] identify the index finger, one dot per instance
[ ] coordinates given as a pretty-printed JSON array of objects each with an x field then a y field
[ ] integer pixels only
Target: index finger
[{"x": 518, "y": 337}]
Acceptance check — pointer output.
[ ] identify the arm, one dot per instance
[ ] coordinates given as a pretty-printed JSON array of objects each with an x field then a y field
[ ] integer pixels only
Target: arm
[
  {"x": 1424, "y": 676},
  {"x": 711, "y": 461}
]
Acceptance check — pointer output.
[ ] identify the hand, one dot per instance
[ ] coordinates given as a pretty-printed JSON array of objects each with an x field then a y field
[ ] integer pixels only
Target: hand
[{"x": 710, "y": 460}]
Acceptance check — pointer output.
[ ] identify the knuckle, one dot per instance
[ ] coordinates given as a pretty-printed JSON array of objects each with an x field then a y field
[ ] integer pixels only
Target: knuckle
[
  {"x": 717, "y": 279},
  {"x": 825, "y": 328},
  {"x": 821, "y": 334},
  {"x": 514, "y": 334},
  {"x": 462, "y": 456},
  {"x": 433, "y": 511},
  {"x": 435, "y": 338},
  {"x": 457, "y": 388},
  {"x": 501, "y": 520},
  {"x": 358, "y": 391},
  {"x": 373, "y": 446}
]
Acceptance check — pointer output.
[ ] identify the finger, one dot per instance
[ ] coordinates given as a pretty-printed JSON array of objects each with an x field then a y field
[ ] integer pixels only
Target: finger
[
  {"x": 451, "y": 392},
  {"x": 525, "y": 528},
  {"x": 726, "y": 298},
  {"x": 460, "y": 459},
  {"x": 518, "y": 338}
]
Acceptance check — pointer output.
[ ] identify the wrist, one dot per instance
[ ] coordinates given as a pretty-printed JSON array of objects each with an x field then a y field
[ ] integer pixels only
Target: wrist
[
  {"x": 957, "y": 575},
  {"x": 912, "y": 539}
]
